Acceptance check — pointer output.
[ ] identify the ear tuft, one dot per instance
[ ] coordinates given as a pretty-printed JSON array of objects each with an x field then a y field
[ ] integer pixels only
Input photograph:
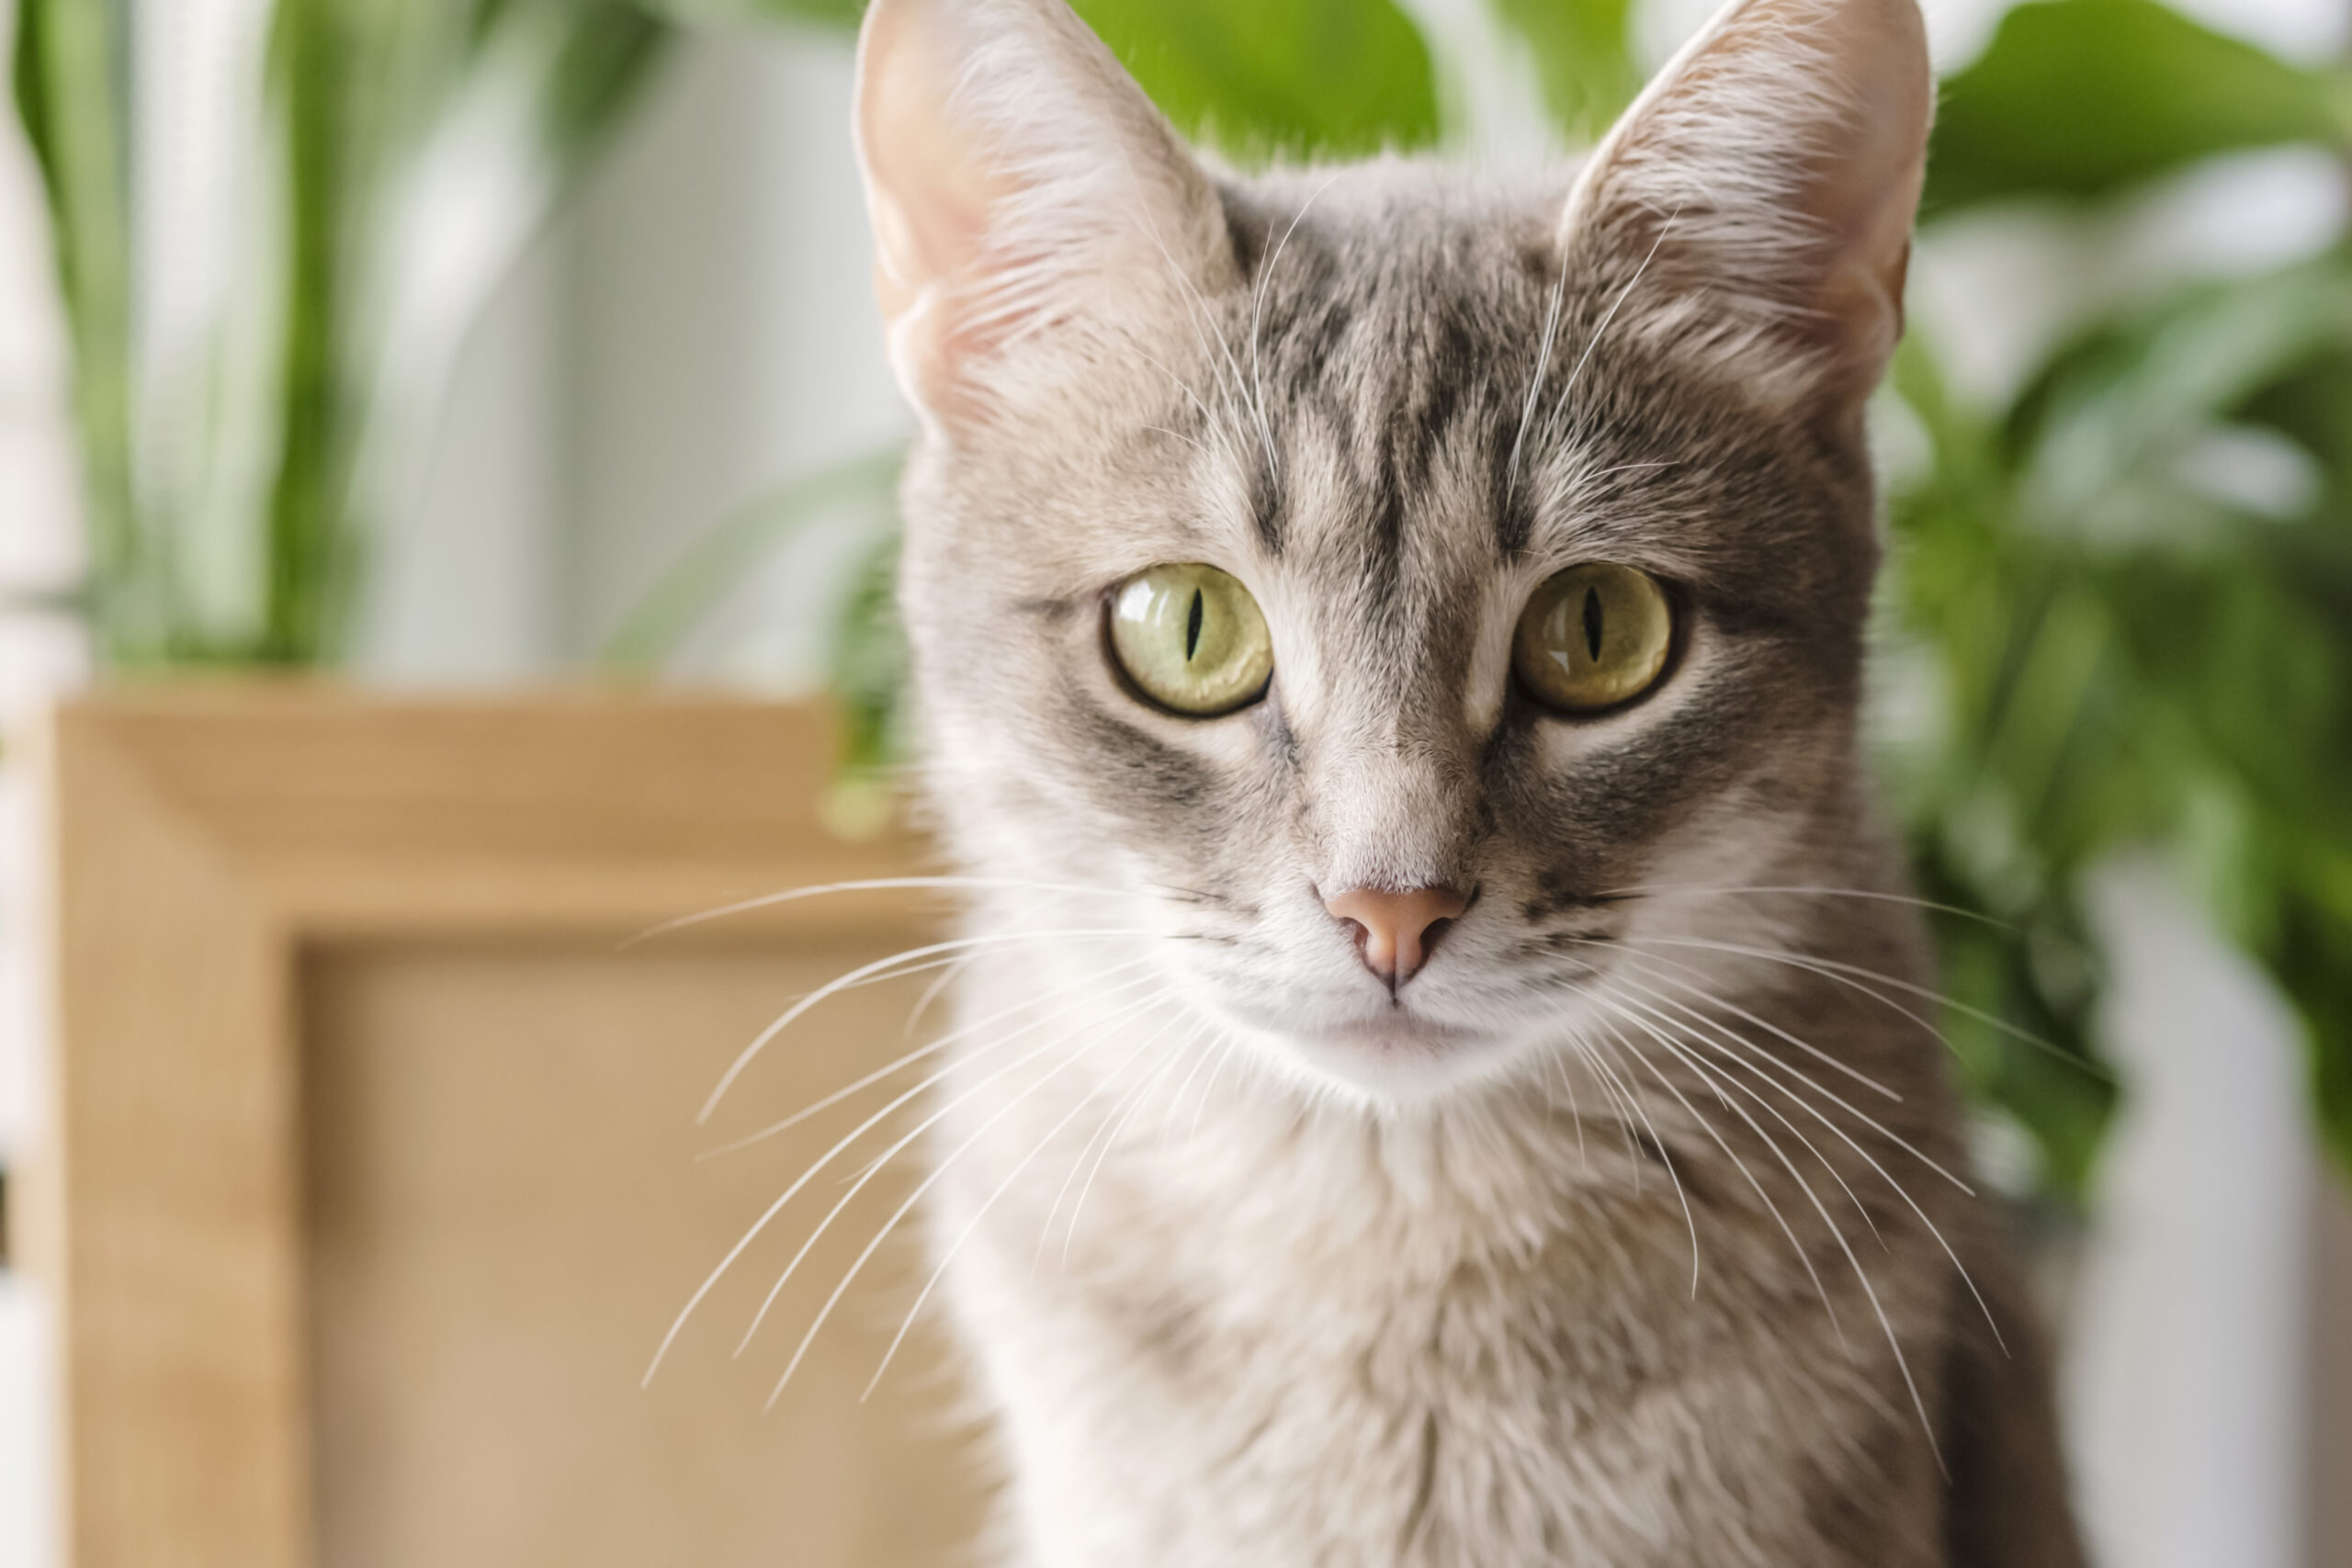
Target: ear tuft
[
  {"x": 1768, "y": 179},
  {"x": 1020, "y": 182}
]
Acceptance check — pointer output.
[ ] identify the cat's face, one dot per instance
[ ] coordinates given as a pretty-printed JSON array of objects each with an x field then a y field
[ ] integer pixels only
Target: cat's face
[{"x": 1390, "y": 407}]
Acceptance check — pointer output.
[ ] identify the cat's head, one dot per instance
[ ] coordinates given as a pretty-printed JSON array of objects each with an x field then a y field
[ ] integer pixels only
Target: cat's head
[{"x": 1384, "y": 586}]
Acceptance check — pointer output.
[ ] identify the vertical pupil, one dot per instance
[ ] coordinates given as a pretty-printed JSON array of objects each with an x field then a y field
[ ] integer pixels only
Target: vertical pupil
[
  {"x": 1193, "y": 626},
  {"x": 1592, "y": 622}
]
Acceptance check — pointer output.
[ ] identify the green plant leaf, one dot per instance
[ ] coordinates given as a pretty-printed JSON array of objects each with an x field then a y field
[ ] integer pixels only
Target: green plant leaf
[
  {"x": 869, "y": 667},
  {"x": 1336, "y": 78},
  {"x": 2049, "y": 1083},
  {"x": 70, "y": 74},
  {"x": 842, "y": 13},
  {"x": 2100, "y": 428},
  {"x": 2313, "y": 406},
  {"x": 318, "y": 48},
  {"x": 870, "y": 663},
  {"x": 2124, "y": 661},
  {"x": 608, "y": 54},
  {"x": 2081, "y": 97},
  {"x": 1583, "y": 50}
]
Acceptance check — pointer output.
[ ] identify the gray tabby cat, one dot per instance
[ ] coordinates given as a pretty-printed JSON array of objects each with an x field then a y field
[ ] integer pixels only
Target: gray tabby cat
[{"x": 1442, "y": 1082}]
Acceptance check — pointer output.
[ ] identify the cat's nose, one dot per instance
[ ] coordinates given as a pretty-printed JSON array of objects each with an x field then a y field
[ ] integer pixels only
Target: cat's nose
[{"x": 1396, "y": 930}]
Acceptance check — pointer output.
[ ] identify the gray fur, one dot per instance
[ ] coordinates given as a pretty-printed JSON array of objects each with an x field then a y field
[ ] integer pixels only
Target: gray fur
[{"x": 1260, "y": 1266}]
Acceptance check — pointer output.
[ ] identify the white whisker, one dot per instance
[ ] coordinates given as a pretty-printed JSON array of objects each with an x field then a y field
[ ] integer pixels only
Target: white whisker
[
  {"x": 918, "y": 1131},
  {"x": 1536, "y": 387},
  {"x": 851, "y": 980},
  {"x": 1862, "y": 1275},
  {"x": 1177, "y": 436},
  {"x": 1901, "y": 1191},
  {"x": 1831, "y": 969},
  {"x": 1675, "y": 1045},
  {"x": 1576, "y": 1111},
  {"x": 1257, "y": 310},
  {"x": 1667, "y": 1157},
  {"x": 1665, "y": 891},
  {"x": 767, "y": 1217},
  {"x": 1864, "y": 1117},
  {"x": 891, "y": 1223},
  {"x": 1552, "y": 422},
  {"x": 1100, "y": 1129},
  {"x": 1806, "y": 1046},
  {"x": 1630, "y": 468},
  {"x": 1208, "y": 419},
  {"x": 1070, "y": 1233},
  {"x": 1196, "y": 310},
  {"x": 1225, "y": 1054},
  {"x": 931, "y": 992},
  {"x": 945, "y": 1040},
  {"x": 980, "y": 1213},
  {"x": 1176, "y": 1101},
  {"x": 870, "y": 885},
  {"x": 1616, "y": 1090},
  {"x": 1803, "y": 1258}
]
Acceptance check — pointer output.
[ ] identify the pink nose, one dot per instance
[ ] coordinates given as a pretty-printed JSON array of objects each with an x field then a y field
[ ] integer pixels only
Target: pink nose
[{"x": 1396, "y": 930}]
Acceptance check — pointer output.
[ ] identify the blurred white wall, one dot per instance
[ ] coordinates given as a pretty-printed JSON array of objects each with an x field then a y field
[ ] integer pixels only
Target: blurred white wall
[
  {"x": 466, "y": 581},
  {"x": 698, "y": 330},
  {"x": 2187, "y": 1369},
  {"x": 2327, "y": 1338},
  {"x": 724, "y": 337}
]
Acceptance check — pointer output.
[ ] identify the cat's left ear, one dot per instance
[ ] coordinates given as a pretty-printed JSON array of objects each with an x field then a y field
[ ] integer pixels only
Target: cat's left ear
[
  {"x": 1762, "y": 191},
  {"x": 1029, "y": 201}
]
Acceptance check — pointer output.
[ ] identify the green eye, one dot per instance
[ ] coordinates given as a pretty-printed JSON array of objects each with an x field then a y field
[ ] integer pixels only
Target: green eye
[
  {"x": 1593, "y": 636},
  {"x": 1192, "y": 639}
]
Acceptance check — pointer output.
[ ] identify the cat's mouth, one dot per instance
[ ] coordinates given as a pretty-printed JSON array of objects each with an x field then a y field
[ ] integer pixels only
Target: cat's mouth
[
  {"x": 1397, "y": 1031},
  {"x": 1397, "y": 1058},
  {"x": 1395, "y": 1053}
]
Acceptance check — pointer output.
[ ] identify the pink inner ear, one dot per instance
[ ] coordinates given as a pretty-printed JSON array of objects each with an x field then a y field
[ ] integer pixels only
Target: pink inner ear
[
  {"x": 930, "y": 203},
  {"x": 935, "y": 196}
]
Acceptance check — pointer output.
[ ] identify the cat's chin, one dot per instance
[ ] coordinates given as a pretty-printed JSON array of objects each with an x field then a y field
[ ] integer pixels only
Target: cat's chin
[{"x": 1395, "y": 1060}]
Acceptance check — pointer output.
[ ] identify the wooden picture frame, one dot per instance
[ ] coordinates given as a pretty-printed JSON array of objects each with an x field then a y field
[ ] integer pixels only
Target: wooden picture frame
[{"x": 208, "y": 841}]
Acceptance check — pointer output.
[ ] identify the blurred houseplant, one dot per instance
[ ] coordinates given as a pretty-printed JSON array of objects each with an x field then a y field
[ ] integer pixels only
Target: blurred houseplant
[
  {"x": 2128, "y": 587},
  {"x": 273, "y": 222},
  {"x": 2100, "y": 638}
]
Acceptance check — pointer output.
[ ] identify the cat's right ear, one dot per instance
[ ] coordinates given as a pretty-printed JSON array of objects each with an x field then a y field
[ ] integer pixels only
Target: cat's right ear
[{"x": 1026, "y": 196}]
